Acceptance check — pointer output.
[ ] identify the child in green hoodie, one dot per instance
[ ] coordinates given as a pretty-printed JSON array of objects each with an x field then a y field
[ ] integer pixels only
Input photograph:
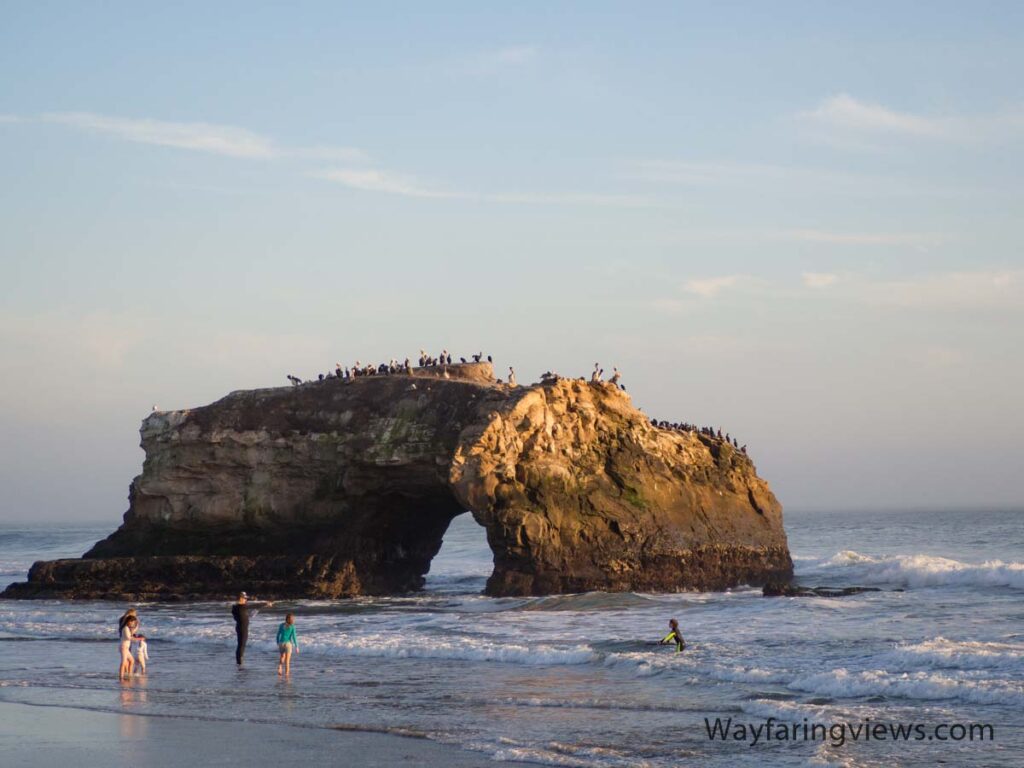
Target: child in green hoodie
[{"x": 287, "y": 643}]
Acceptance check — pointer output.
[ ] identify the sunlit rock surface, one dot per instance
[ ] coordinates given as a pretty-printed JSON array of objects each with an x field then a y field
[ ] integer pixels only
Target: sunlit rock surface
[{"x": 342, "y": 488}]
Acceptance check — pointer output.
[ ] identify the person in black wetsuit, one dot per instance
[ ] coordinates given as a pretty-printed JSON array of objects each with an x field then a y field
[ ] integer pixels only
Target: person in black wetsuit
[
  {"x": 242, "y": 611},
  {"x": 675, "y": 636}
]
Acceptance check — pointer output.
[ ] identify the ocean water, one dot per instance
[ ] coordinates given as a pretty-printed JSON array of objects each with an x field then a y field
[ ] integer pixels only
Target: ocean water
[{"x": 578, "y": 680}]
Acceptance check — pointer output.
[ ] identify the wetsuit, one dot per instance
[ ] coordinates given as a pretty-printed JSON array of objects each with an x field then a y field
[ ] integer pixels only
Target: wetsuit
[
  {"x": 241, "y": 613},
  {"x": 674, "y": 637}
]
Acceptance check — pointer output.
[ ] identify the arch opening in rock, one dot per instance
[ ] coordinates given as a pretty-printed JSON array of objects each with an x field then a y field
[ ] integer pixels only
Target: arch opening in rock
[
  {"x": 465, "y": 561},
  {"x": 348, "y": 487}
]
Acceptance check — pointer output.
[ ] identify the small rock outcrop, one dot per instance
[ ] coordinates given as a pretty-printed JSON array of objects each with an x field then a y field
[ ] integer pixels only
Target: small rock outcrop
[
  {"x": 346, "y": 487},
  {"x": 785, "y": 589}
]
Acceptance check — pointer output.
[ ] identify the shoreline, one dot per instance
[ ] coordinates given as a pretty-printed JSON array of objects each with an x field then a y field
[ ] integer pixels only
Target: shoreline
[{"x": 54, "y": 734}]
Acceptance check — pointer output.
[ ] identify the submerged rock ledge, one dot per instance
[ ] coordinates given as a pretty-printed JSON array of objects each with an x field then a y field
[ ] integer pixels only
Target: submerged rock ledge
[{"x": 342, "y": 488}]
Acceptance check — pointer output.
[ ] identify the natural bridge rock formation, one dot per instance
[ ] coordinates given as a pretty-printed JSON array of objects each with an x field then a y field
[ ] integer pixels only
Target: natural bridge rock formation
[{"x": 342, "y": 488}]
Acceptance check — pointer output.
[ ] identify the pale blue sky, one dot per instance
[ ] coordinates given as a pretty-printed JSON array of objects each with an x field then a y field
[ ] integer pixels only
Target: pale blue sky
[{"x": 801, "y": 221}]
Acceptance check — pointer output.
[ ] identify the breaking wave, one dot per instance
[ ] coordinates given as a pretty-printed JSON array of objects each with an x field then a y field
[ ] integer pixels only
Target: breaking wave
[
  {"x": 940, "y": 653},
  {"x": 923, "y": 686},
  {"x": 919, "y": 571}
]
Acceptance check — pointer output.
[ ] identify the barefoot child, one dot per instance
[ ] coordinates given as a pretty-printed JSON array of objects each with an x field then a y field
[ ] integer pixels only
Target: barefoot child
[
  {"x": 141, "y": 653},
  {"x": 287, "y": 643}
]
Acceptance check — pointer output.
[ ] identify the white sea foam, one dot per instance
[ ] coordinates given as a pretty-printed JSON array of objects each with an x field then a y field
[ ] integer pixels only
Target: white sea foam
[
  {"x": 923, "y": 571},
  {"x": 557, "y": 753},
  {"x": 740, "y": 674},
  {"x": 923, "y": 686},
  {"x": 453, "y": 648},
  {"x": 785, "y": 711},
  {"x": 940, "y": 653},
  {"x": 646, "y": 664}
]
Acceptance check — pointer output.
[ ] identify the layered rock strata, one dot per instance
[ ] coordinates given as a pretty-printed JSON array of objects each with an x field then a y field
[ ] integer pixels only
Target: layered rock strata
[{"x": 342, "y": 488}]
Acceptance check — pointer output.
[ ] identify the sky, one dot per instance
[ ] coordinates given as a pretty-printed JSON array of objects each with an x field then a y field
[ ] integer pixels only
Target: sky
[{"x": 800, "y": 221}]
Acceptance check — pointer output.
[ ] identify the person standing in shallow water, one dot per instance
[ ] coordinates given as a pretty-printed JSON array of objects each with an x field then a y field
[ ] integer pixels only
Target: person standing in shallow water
[
  {"x": 242, "y": 611},
  {"x": 287, "y": 644},
  {"x": 674, "y": 636},
  {"x": 128, "y": 627}
]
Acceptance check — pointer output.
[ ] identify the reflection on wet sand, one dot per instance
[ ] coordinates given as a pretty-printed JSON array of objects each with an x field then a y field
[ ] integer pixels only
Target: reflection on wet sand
[{"x": 133, "y": 695}]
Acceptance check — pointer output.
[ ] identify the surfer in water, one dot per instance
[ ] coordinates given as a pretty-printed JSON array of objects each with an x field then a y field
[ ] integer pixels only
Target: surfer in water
[{"x": 674, "y": 636}]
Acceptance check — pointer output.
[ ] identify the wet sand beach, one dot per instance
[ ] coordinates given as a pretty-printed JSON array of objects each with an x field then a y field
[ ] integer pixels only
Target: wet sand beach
[{"x": 46, "y": 736}]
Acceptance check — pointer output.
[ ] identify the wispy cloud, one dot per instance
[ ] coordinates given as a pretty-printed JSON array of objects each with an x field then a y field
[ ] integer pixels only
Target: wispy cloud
[
  {"x": 708, "y": 174},
  {"x": 376, "y": 180},
  {"x": 991, "y": 289},
  {"x": 379, "y": 180},
  {"x": 324, "y": 152},
  {"x": 241, "y": 143},
  {"x": 226, "y": 140},
  {"x": 200, "y": 137},
  {"x": 700, "y": 293},
  {"x": 765, "y": 178},
  {"x": 915, "y": 239},
  {"x": 979, "y": 290},
  {"x": 844, "y": 111},
  {"x": 983, "y": 289},
  {"x": 709, "y": 287},
  {"x": 819, "y": 279},
  {"x": 497, "y": 60},
  {"x": 576, "y": 198},
  {"x": 850, "y": 116}
]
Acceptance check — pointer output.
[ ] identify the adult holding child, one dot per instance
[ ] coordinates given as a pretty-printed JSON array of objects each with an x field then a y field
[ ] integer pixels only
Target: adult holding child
[{"x": 129, "y": 623}]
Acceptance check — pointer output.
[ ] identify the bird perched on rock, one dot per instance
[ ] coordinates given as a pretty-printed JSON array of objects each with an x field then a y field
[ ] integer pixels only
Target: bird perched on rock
[{"x": 511, "y": 376}]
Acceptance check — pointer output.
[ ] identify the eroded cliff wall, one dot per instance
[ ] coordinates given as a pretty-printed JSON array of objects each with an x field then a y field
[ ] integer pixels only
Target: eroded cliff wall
[{"x": 341, "y": 488}]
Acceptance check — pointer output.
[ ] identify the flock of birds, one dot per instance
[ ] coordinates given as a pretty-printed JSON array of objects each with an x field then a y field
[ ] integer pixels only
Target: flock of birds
[
  {"x": 394, "y": 367},
  {"x": 715, "y": 434}
]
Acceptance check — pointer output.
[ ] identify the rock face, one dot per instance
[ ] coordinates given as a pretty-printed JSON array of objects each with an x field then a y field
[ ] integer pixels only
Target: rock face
[{"x": 342, "y": 488}]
